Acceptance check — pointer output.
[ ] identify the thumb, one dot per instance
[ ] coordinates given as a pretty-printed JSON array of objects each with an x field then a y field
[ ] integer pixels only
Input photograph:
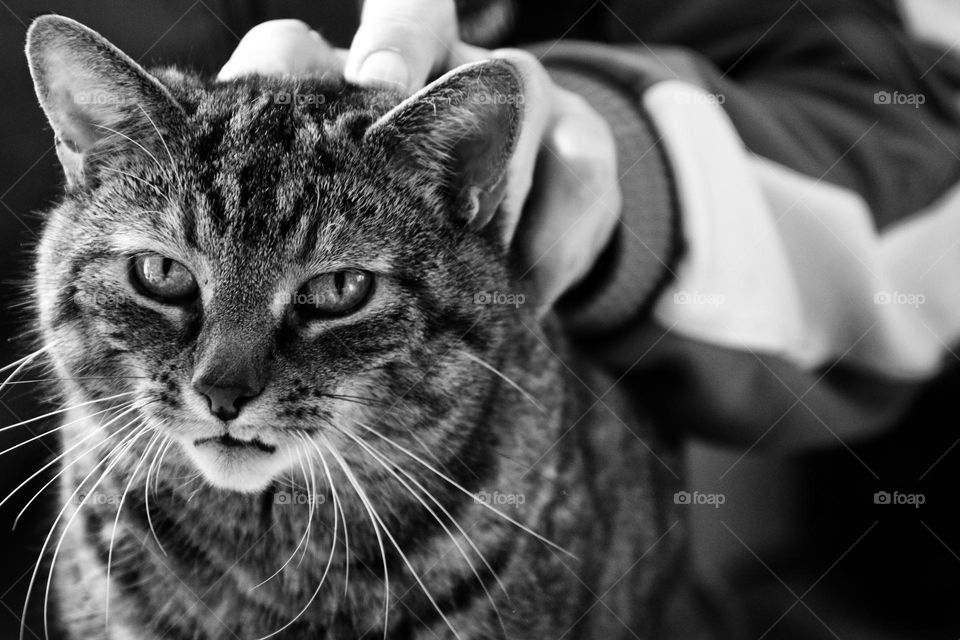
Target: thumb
[{"x": 400, "y": 42}]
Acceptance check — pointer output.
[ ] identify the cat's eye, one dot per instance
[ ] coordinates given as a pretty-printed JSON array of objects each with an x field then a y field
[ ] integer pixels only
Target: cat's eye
[
  {"x": 163, "y": 279},
  {"x": 334, "y": 294}
]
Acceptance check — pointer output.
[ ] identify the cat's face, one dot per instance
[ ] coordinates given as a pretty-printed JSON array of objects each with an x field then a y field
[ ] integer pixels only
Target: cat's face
[{"x": 263, "y": 263}]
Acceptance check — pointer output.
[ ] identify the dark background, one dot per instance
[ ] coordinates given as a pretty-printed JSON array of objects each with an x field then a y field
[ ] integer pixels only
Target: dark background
[{"x": 806, "y": 547}]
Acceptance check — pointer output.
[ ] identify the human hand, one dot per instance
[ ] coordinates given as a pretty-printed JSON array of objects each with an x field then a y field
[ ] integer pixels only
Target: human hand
[
  {"x": 563, "y": 174},
  {"x": 282, "y": 47}
]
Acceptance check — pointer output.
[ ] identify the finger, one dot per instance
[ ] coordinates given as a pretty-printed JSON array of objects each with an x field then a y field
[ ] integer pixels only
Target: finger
[
  {"x": 401, "y": 42},
  {"x": 281, "y": 47},
  {"x": 340, "y": 54},
  {"x": 575, "y": 203},
  {"x": 462, "y": 53}
]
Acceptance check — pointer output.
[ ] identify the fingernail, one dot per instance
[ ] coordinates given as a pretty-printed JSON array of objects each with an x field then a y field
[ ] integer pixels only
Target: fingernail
[{"x": 387, "y": 68}]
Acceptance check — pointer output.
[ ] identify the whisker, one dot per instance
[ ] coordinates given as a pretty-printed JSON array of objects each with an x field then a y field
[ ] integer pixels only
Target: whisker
[
  {"x": 161, "y": 451},
  {"x": 311, "y": 491},
  {"x": 63, "y": 470},
  {"x": 116, "y": 523},
  {"x": 47, "y": 539},
  {"x": 427, "y": 493},
  {"x": 39, "y": 380},
  {"x": 526, "y": 394},
  {"x": 368, "y": 507},
  {"x": 303, "y": 538},
  {"x": 367, "y": 401},
  {"x": 384, "y": 462},
  {"x": 129, "y": 139},
  {"x": 337, "y": 504},
  {"x": 386, "y": 530},
  {"x": 50, "y": 432},
  {"x": 117, "y": 456},
  {"x": 57, "y": 458},
  {"x": 64, "y": 410},
  {"x": 163, "y": 141},
  {"x": 436, "y": 457},
  {"x": 30, "y": 356},
  {"x": 157, "y": 189},
  {"x": 323, "y": 578},
  {"x": 457, "y": 485},
  {"x": 23, "y": 363}
]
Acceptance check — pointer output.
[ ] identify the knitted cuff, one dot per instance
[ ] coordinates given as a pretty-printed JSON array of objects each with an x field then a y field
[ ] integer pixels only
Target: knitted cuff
[{"x": 638, "y": 260}]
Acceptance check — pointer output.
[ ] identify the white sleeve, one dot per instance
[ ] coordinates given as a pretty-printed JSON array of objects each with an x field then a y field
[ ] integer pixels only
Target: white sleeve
[{"x": 786, "y": 265}]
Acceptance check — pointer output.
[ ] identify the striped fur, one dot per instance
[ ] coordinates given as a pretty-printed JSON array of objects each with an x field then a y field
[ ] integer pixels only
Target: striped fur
[{"x": 440, "y": 406}]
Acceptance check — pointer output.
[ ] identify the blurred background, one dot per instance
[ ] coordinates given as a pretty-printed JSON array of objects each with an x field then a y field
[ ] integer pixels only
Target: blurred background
[{"x": 800, "y": 539}]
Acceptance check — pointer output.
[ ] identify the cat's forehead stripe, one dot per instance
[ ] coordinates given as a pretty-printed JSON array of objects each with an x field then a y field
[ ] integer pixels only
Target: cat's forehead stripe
[
  {"x": 248, "y": 182},
  {"x": 260, "y": 166}
]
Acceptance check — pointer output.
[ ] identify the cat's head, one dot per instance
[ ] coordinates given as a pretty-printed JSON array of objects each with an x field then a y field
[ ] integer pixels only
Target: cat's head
[{"x": 259, "y": 263}]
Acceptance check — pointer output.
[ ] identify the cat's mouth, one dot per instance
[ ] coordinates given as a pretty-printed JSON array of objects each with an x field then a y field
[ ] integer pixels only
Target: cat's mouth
[
  {"x": 227, "y": 441},
  {"x": 237, "y": 463}
]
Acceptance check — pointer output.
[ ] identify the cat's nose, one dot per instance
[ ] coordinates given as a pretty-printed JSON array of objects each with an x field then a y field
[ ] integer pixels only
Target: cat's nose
[
  {"x": 226, "y": 401},
  {"x": 233, "y": 366}
]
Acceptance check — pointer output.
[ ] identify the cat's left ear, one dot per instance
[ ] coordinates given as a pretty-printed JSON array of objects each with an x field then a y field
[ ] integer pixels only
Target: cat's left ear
[
  {"x": 456, "y": 136},
  {"x": 90, "y": 91}
]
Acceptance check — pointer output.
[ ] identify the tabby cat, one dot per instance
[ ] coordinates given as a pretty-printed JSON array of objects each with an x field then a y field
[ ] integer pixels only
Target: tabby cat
[{"x": 295, "y": 404}]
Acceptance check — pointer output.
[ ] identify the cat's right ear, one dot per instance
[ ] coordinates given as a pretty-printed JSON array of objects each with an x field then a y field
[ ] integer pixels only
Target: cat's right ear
[
  {"x": 91, "y": 91},
  {"x": 455, "y": 137}
]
